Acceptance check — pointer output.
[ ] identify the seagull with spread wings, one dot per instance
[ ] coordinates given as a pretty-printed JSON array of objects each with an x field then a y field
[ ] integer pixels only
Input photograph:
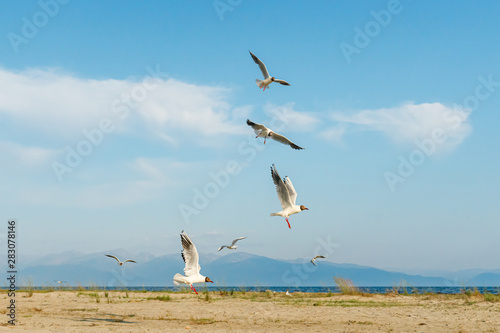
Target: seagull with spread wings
[
  {"x": 192, "y": 267},
  {"x": 267, "y": 78},
  {"x": 314, "y": 259},
  {"x": 232, "y": 246},
  {"x": 287, "y": 195},
  {"x": 264, "y": 132},
  {"x": 120, "y": 262}
]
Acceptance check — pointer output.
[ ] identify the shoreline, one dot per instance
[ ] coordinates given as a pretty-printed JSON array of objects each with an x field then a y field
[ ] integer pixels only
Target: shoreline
[
  {"x": 346, "y": 288},
  {"x": 140, "y": 311}
]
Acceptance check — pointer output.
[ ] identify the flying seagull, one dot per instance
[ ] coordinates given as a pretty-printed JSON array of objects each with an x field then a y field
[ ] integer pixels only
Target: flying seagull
[
  {"x": 264, "y": 132},
  {"x": 267, "y": 78},
  {"x": 232, "y": 246},
  {"x": 192, "y": 267},
  {"x": 287, "y": 196},
  {"x": 120, "y": 262},
  {"x": 314, "y": 259}
]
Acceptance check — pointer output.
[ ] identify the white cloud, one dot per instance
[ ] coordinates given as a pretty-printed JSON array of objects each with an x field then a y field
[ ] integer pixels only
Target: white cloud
[
  {"x": 161, "y": 171},
  {"x": 19, "y": 155},
  {"x": 177, "y": 105},
  {"x": 55, "y": 103},
  {"x": 285, "y": 117},
  {"x": 411, "y": 122},
  {"x": 333, "y": 134},
  {"x": 61, "y": 105}
]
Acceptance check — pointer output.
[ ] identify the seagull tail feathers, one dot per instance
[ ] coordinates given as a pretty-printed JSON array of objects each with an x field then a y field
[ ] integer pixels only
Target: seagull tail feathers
[
  {"x": 275, "y": 214},
  {"x": 259, "y": 83},
  {"x": 178, "y": 279}
]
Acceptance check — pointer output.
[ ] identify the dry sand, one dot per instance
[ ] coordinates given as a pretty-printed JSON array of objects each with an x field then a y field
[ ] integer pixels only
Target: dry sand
[{"x": 90, "y": 311}]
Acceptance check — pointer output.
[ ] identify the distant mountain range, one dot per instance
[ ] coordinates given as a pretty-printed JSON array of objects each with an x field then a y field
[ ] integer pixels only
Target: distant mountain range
[{"x": 233, "y": 269}]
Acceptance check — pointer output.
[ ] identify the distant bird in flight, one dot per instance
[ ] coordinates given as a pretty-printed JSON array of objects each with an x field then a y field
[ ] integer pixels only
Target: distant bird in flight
[
  {"x": 287, "y": 195},
  {"x": 314, "y": 259},
  {"x": 232, "y": 246},
  {"x": 267, "y": 78},
  {"x": 192, "y": 267},
  {"x": 120, "y": 262},
  {"x": 264, "y": 132}
]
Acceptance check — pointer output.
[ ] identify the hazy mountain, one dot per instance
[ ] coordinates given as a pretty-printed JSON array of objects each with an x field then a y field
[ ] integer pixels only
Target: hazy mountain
[{"x": 236, "y": 268}]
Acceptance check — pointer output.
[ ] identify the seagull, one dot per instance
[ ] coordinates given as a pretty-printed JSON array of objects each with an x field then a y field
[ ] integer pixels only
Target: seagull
[
  {"x": 287, "y": 196},
  {"x": 265, "y": 133},
  {"x": 232, "y": 246},
  {"x": 288, "y": 294},
  {"x": 314, "y": 259},
  {"x": 192, "y": 268},
  {"x": 60, "y": 282},
  {"x": 267, "y": 78},
  {"x": 120, "y": 262}
]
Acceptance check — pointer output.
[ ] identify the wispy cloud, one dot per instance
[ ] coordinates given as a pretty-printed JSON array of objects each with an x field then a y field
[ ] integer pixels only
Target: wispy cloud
[
  {"x": 410, "y": 122},
  {"x": 177, "y": 105},
  {"x": 18, "y": 155},
  {"x": 53, "y": 102},
  {"x": 59, "y": 105},
  {"x": 289, "y": 118}
]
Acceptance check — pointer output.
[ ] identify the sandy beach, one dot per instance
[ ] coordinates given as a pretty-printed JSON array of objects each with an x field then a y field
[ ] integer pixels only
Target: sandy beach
[{"x": 120, "y": 311}]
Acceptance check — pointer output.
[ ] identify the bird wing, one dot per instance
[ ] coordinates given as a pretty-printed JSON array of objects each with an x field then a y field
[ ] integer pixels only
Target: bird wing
[
  {"x": 312, "y": 261},
  {"x": 237, "y": 239},
  {"x": 281, "y": 189},
  {"x": 262, "y": 67},
  {"x": 189, "y": 255},
  {"x": 283, "y": 82},
  {"x": 220, "y": 248},
  {"x": 109, "y": 255},
  {"x": 256, "y": 127},
  {"x": 291, "y": 190},
  {"x": 284, "y": 140},
  {"x": 130, "y": 260},
  {"x": 319, "y": 257}
]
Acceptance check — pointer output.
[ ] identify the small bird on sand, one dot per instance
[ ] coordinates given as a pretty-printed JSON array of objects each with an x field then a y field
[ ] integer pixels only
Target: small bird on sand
[
  {"x": 264, "y": 84},
  {"x": 120, "y": 262},
  {"x": 192, "y": 267},
  {"x": 264, "y": 132}
]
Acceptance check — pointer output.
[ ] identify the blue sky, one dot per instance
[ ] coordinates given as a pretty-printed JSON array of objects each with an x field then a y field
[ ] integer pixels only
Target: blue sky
[{"x": 402, "y": 147}]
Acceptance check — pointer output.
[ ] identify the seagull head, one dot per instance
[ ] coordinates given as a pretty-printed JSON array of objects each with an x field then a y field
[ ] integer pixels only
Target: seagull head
[
  {"x": 272, "y": 79},
  {"x": 302, "y": 207},
  {"x": 207, "y": 279}
]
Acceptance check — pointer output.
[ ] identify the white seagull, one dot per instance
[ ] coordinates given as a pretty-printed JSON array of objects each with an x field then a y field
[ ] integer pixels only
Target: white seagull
[
  {"x": 267, "y": 78},
  {"x": 288, "y": 294},
  {"x": 192, "y": 267},
  {"x": 264, "y": 132},
  {"x": 314, "y": 259},
  {"x": 232, "y": 246},
  {"x": 287, "y": 196},
  {"x": 120, "y": 262}
]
